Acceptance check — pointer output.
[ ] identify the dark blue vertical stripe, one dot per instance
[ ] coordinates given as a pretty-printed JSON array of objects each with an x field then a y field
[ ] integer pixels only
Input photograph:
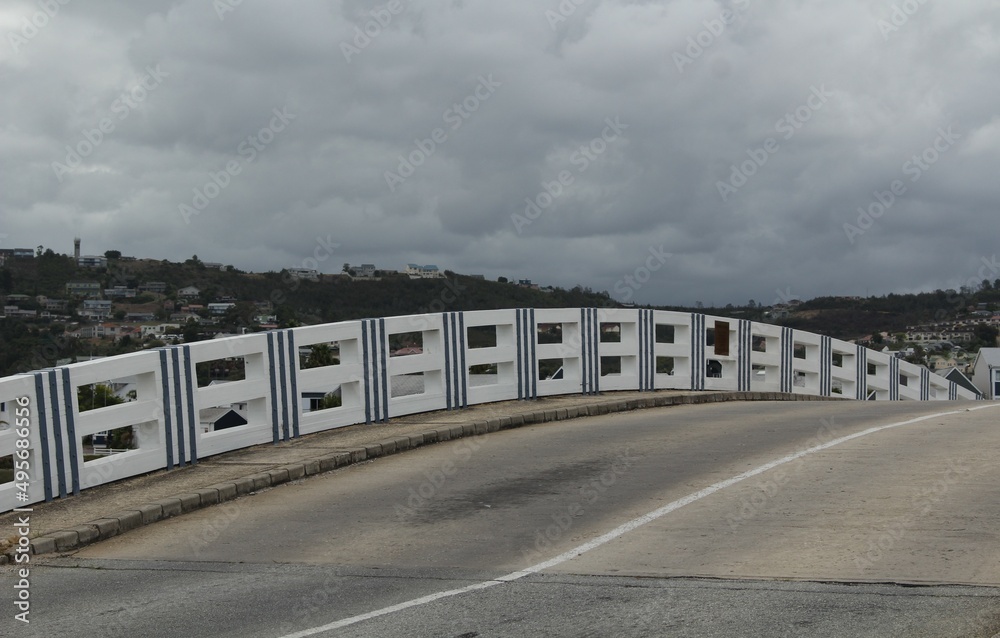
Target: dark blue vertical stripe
[
  {"x": 294, "y": 379},
  {"x": 533, "y": 361},
  {"x": 384, "y": 369},
  {"x": 283, "y": 376},
  {"x": 190, "y": 380},
  {"x": 447, "y": 360},
  {"x": 43, "y": 432},
  {"x": 463, "y": 367},
  {"x": 367, "y": 385},
  {"x": 74, "y": 460},
  {"x": 57, "y": 431},
  {"x": 272, "y": 371},
  {"x": 168, "y": 430},
  {"x": 179, "y": 405}
]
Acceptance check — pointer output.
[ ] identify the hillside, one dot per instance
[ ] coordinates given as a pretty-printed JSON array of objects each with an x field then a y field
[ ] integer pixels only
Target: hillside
[{"x": 64, "y": 329}]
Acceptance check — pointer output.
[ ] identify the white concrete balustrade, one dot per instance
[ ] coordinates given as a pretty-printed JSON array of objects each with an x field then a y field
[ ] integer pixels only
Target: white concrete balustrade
[{"x": 515, "y": 353}]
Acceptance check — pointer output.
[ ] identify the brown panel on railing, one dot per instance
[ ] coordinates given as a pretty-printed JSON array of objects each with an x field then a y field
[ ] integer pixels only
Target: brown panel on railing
[{"x": 722, "y": 338}]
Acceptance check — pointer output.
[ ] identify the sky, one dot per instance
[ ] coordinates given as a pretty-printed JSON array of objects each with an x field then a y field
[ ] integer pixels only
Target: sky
[{"x": 668, "y": 152}]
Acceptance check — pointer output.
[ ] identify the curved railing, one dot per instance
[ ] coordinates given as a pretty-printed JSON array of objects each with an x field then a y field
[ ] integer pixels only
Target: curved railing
[{"x": 463, "y": 358}]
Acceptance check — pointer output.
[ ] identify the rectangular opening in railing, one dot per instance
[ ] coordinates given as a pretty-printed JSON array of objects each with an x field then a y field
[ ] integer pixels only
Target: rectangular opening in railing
[
  {"x": 550, "y": 369},
  {"x": 484, "y": 374},
  {"x": 611, "y": 333},
  {"x": 404, "y": 385},
  {"x": 611, "y": 366},
  {"x": 321, "y": 355},
  {"x": 665, "y": 333},
  {"x": 550, "y": 333},
  {"x": 405, "y": 344},
  {"x": 221, "y": 371},
  {"x": 7, "y": 469},
  {"x": 321, "y": 400},
  {"x": 482, "y": 337},
  {"x": 664, "y": 365}
]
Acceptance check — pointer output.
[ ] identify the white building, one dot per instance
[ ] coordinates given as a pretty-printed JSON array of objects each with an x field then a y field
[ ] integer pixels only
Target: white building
[
  {"x": 429, "y": 271},
  {"x": 986, "y": 372}
]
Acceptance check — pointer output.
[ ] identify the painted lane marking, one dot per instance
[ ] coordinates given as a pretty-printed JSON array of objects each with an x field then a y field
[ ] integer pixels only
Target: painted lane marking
[{"x": 621, "y": 530}]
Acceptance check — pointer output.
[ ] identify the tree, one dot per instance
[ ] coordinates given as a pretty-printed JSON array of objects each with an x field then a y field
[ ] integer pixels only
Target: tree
[
  {"x": 330, "y": 400},
  {"x": 96, "y": 396},
  {"x": 113, "y": 254},
  {"x": 321, "y": 355},
  {"x": 501, "y": 280}
]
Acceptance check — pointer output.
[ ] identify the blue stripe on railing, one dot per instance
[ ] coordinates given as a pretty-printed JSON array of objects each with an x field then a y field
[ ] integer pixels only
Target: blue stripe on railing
[
  {"x": 826, "y": 366},
  {"x": 449, "y": 391},
  {"x": 286, "y": 431},
  {"x": 787, "y": 359},
  {"x": 376, "y": 370},
  {"x": 179, "y": 407},
  {"x": 293, "y": 373},
  {"x": 190, "y": 382},
  {"x": 894, "y": 379},
  {"x": 463, "y": 367},
  {"x": 698, "y": 345},
  {"x": 862, "y": 374},
  {"x": 366, "y": 370},
  {"x": 168, "y": 427},
  {"x": 925, "y": 384},
  {"x": 384, "y": 369},
  {"x": 57, "y": 431},
  {"x": 74, "y": 460},
  {"x": 43, "y": 433},
  {"x": 273, "y": 379},
  {"x": 744, "y": 346}
]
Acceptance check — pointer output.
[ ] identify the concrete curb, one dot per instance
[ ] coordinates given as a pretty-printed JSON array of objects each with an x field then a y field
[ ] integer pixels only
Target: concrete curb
[{"x": 117, "y": 523}]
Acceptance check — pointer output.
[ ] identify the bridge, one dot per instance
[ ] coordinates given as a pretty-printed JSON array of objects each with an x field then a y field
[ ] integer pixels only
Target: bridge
[
  {"x": 720, "y": 484},
  {"x": 463, "y": 358}
]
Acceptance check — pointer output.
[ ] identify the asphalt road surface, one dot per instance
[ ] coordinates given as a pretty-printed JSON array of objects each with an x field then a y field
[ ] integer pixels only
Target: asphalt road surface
[{"x": 733, "y": 519}]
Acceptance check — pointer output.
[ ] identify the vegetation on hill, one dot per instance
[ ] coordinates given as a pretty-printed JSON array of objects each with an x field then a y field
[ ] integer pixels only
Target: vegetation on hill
[{"x": 33, "y": 344}]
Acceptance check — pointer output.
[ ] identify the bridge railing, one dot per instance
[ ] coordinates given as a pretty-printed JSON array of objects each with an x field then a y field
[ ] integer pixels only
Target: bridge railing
[{"x": 462, "y": 358}]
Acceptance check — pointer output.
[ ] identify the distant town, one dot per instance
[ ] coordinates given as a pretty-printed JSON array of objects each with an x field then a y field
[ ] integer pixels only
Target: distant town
[{"x": 99, "y": 305}]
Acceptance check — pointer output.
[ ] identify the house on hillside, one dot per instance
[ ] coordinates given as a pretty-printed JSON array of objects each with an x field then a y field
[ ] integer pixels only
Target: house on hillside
[
  {"x": 429, "y": 271},
  {"x": 986, "y": 372},
  {"x": 189, "y": 292}
]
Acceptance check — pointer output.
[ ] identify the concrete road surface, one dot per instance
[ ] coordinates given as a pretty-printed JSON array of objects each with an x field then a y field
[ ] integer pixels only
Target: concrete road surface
[{"x": 735, "y": 519}]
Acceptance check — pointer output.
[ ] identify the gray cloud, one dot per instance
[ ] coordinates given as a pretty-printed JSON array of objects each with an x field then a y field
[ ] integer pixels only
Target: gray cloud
[{"x": 702, "y": 88}]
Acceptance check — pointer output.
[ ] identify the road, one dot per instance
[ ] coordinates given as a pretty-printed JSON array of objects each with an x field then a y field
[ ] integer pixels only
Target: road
[{"x": 735, "y": 519}]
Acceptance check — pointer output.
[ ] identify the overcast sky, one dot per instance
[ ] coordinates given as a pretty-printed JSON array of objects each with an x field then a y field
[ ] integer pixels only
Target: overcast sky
[{"x": 721, "y": 145}]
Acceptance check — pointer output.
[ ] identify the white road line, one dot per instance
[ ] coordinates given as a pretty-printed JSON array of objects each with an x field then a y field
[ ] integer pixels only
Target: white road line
[{"x": 620, "y": 530}]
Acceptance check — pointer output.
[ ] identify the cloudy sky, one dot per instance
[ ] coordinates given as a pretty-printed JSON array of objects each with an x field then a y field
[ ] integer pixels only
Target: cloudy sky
[{"x": 668, "y": 151}]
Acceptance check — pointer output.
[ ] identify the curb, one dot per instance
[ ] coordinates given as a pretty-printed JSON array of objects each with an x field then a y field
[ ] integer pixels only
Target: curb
[{"x": 122, "y": 521}]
